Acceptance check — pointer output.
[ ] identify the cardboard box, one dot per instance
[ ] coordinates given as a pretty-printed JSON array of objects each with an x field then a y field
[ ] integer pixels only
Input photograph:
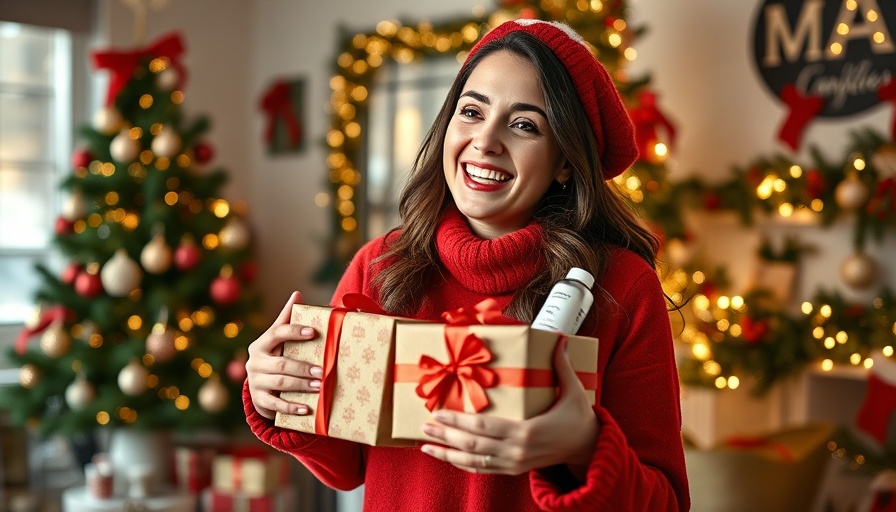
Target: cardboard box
[
  {"x": 521, "y": 362},
  {"x": 250, "y": 472},
  {"x": 359, "y": 383},
  {"x": 774, "y": 473}
]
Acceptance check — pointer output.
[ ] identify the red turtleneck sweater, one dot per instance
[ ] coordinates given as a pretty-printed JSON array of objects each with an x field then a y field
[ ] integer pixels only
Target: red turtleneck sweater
[{"x": 638, "y": 461}]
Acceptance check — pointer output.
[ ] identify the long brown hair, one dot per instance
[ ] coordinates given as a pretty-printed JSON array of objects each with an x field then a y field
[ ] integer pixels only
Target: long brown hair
[{"x": 579, "y": 221}]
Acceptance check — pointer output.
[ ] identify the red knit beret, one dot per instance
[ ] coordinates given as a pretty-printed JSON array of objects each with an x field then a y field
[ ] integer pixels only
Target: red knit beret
[{"x": 609, "y": 119}]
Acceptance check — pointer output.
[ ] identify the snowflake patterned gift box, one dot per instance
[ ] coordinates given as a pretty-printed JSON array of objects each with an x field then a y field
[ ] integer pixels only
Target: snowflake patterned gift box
[
  {"x": 355, "y": 349},
  {"x": 470, "y": 364}
]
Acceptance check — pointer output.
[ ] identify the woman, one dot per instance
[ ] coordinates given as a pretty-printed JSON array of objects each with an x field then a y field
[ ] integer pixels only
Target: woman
[{"x": 508, "y": 192}]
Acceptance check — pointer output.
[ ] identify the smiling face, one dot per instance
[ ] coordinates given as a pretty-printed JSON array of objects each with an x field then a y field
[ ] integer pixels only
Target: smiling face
[{"x": 500, "y": 154}]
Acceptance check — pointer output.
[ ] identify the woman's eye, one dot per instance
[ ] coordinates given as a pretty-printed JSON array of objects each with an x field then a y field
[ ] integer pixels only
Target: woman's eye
[
  {"x": 525, "y": 126},
  {"x": 468, "y": 112}
]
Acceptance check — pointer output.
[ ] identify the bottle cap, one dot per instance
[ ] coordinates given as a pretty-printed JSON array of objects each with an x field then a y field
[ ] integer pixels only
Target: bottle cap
[{"x": 581, "y": 275}]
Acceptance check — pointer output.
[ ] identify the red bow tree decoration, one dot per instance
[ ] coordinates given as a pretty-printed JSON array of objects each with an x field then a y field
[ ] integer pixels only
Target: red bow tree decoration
[
  {"x": 277, "y": 104},
  {"x": 123, "y": 64},
  {"x": 887, "y": 92},
  {"x": 802, "y": 110},
  {"x": 647, "y": 117}
]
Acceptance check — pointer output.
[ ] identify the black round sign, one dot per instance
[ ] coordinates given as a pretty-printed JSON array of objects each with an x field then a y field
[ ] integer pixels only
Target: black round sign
[{"x": 842, "y": 51}]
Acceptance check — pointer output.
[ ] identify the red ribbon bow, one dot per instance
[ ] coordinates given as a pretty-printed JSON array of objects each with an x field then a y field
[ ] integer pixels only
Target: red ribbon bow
[
  {"x": 802, "y": 109},
  {"x": 47, "y": 317},
  {"x": 124, "y": 63},
  {"x": 277, "y": 103},
  {"x": 350, "y": 303},
  {"x": 887, "y": 92},
  {"x": 443, "y": 384}
]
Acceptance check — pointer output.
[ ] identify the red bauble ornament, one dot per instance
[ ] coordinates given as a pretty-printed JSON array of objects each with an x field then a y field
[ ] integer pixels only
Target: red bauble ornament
[
  {"x": 88, "y": 285},
  {"x": 754, "y": 331},
  {"x": 70, "y": 273},
  {"x": 236, "y": 370},
  {"x": 225, "y": 289},
  {"x": 81, "y": 158},
  {"x": 204, "y": 152},
  {"x": 63, "y": 226},
  {"x": 187, "y": 256},
  {"x": 712, "y": 201}
]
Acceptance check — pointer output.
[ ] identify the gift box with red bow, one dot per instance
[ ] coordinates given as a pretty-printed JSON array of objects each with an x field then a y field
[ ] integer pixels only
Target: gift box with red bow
[
  {"x": 280, "y": 500},
  {"x": 480, "y": 361},
  {"x": 251, "y": 471},
  {"x": 354, "y": 346},
  {"x": 193, "y": 467}
]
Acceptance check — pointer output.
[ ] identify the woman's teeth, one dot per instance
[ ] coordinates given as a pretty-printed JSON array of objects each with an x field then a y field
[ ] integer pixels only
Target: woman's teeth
[{"x": 486, "y": 174}]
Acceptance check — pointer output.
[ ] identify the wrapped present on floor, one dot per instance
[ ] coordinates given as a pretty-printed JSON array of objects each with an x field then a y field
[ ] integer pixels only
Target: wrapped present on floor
[
  {"x": 780, "y": 472},
  {"x": 251, "y": 471},
  {"x": 193, "y": 467},
  {"x": 354, "y": 346},
  {"x": 479, "y": 361},
  {"x": 282, "y": 499}
]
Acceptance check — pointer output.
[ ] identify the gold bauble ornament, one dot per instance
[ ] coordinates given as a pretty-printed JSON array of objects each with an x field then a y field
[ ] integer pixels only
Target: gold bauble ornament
[
  {"x": 107, "y": 121},
  {"x": 234, "y": 235},
  {"x": 167, "y": 143},
  {"x": 132, "y": 378},
  {"x": 160, "y": 342},
  {"x": 858, "y": 270},
  {"x": 121, "y": 275},
  {"x": 156, "y": 256},
  {"x": 55, "y": 341},
  {"x": 213, "y": 396},
  {"x": 852, "y": 193},
  {"x": 123, "y": 148},
  {"x": 74, "y": 208},
  {"x": 29, "y": 376},
  {"x": 79, "y": 393}
]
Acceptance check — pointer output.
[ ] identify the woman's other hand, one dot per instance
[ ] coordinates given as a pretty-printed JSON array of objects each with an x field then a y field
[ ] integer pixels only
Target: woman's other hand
[
  {"x": 565, "y": 434},
  {"x": 270, "y": 373}
]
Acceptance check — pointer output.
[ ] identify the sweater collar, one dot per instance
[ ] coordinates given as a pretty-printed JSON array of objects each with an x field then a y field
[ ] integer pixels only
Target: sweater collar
[{"x": 494, "y": 267}]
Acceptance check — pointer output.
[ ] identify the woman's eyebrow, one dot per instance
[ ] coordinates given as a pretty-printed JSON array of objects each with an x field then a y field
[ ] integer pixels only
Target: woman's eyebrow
[{"x": 516, "y": 106}]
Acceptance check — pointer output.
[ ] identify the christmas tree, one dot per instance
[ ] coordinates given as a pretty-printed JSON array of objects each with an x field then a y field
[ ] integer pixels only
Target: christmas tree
[{"x": 148, "y": 324}]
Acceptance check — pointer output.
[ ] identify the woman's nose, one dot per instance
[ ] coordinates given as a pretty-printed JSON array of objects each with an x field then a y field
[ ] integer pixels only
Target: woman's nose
[{"x": 487, "y": 139}]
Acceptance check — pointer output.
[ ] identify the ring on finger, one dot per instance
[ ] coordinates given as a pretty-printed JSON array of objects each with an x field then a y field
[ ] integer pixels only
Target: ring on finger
[{"x": 486, "y": 461}]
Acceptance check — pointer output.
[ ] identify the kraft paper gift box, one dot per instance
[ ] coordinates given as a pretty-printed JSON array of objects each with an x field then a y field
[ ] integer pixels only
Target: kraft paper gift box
[
  {"x": 778, "y": 472},
  {"x": 519, "y": 357},
  {"x": 253, "y": 472},
  {"x": 355, "y": 349}
]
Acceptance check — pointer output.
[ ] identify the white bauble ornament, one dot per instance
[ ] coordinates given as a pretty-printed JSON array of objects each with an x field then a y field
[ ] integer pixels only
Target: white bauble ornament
[
  {"x": 858, "y": 270},
  {"x": 132, "y": 378},
  {"x": 167, "y": 79},
  {"x": 851, "y": 194},
  {"x": 79, "y": 393},
  {"x": 167, "y": 143},
  {"x": 123, "y": 148},
  {"x": 884, "y": 161},
  {"x": 160, "y": 342},
  {"x": 156, "y": 256},
  {"x": 234, "y": 234},
  {"x": 74, "y": 208},
  {"x": 121, "y": 275},
  {"x": 55, "y": 341},
  {"x": 213, "y": 396},
  {"x": 107, "y": 121}
]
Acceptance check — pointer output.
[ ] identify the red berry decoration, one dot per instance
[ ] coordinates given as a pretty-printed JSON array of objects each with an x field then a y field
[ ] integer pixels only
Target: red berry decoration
[
  {"x": 187, "y": 255},
  {"x": 88, "y": 285},
  {"x": 204, "y": 152},
  {"x": 225, "y": 289},
  {"x": 70, "y": 273},
  {"x": 81, "y": 158},
  {"x": 63, "y": 226}
]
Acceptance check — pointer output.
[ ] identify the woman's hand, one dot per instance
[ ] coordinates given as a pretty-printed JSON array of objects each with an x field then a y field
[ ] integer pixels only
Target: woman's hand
[
  {"x": 269, "y": 372},
  {"x": 565, "y": 434}
]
